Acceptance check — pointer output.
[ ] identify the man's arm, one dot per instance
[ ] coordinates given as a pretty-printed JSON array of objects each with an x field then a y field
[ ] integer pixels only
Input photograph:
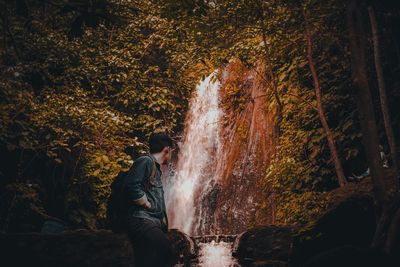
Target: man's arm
[{"x": 134, "y": 188}]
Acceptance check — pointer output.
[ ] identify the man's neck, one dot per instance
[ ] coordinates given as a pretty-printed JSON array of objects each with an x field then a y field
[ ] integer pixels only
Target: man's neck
[{"x": 157, "y": 156}]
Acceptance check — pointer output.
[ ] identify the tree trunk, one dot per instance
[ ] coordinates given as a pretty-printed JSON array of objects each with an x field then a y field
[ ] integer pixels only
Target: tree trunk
[
  {"x": 271, "y": 76},
  {"x": 364, "y": 101},
  {"x": 382, "y": 94},
  {"x": 331, "y": 142}
]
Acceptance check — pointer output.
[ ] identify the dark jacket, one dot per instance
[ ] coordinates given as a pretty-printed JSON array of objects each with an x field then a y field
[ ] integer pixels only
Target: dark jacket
[{"x": 142, "y": 185}]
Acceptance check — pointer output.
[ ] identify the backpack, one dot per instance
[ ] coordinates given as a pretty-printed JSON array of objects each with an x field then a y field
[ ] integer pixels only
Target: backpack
[{"x": 118, "y": 205}]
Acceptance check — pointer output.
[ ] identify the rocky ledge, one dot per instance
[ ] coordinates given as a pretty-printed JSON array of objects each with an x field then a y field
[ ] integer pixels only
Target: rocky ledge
[{"x": 341, "y": 237}]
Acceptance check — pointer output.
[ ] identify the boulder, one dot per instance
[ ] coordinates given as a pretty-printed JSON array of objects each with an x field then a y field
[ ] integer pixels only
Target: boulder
[
  {"x": 72, "y": 248},
  {"x": 264, "y": 246},
  {"x": 350, "y": 223},
  {"x": 184, "y": 246}
]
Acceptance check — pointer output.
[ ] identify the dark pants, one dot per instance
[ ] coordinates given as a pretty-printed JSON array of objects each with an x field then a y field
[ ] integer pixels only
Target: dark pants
[{"x": 151, "y": 245}]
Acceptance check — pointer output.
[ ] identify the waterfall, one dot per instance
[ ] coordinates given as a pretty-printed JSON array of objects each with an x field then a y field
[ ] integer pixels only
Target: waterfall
[
  {"x": 195, "y": 169},
  {"x": 221, "y": 164},
  {"x": 195, "y": 175}
]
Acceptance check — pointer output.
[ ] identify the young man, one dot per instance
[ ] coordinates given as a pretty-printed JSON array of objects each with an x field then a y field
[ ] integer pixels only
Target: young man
[{"x": 147, "y": 220}]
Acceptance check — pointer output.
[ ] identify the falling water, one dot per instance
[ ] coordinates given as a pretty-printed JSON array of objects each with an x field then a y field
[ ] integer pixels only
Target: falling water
[
  {"x": 216, "y": 255},
  {"x": 195, "y": 172},
  {"x": 197, "y": 156}
]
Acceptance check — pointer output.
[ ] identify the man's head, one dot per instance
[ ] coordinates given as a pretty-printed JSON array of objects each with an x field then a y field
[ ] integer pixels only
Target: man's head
[{"x": 160, "y": 146}]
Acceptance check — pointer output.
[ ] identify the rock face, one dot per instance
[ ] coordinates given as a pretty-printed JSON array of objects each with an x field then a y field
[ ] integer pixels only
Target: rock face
[
  {"x": 265, "y": 246},
  {"x": 247, "y": 139},
  {"x": 77, "y": 248}
]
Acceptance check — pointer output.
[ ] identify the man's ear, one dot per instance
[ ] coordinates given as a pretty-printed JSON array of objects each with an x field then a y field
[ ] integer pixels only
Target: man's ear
[{"x": 165, "y": 150}]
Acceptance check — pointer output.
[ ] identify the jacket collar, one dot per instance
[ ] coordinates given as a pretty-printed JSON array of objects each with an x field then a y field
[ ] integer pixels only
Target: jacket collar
[{"x": 155, "y": 161}]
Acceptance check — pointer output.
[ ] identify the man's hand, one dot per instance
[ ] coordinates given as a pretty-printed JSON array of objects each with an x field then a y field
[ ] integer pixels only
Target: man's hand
[{"x": 147, "y": 205}]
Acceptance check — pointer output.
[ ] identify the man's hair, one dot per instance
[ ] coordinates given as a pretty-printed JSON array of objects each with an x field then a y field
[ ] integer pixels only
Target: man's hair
[{"x": 158, "y": 141}]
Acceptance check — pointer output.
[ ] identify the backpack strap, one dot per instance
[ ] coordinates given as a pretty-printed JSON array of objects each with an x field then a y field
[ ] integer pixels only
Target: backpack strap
[{"x": 152, "y": 175}]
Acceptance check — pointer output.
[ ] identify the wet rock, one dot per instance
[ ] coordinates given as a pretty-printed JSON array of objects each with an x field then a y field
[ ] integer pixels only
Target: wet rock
[
  {"x": 184, "y": 246},
  {"x": 350, "y": 223},
  {"x": 72, "y": 248},
  {"x": 247, "y": 141},
  {"x": 264, "y": 246}
]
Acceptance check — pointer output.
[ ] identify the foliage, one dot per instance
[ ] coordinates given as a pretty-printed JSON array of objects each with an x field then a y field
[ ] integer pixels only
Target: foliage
[
  {"x": 234, "y": 95},
  {"x": 82, "y": 80},
  {"x": 302, "y": 168}
]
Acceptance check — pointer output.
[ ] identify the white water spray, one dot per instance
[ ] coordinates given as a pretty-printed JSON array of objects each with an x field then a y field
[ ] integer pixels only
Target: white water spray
[
  {"x": 216, "y": 255},
  {"x": 196, "y": 172},
  {"x": 199, "y": 149}
]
